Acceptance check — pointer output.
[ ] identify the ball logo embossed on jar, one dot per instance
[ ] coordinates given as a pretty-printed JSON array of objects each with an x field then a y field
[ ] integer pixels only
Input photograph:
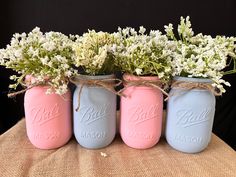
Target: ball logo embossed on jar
[
  {"x": 42, "y": 114},
  {"x": 188, "y": 118},
  {"x": 92, "y": 114},
  {"x": 143, "y": 113}
]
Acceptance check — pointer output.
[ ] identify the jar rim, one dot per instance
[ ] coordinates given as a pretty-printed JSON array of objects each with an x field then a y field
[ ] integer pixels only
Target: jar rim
[
  {"x": 85, "y": 77},
  {"x": 134, "y": 77},
  {"x": 192, "y": 79}
]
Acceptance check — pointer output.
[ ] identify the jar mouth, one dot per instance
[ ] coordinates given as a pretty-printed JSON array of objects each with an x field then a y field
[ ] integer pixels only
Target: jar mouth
[
  {"x": 134, "y": 77},
  {"x": 192, "y": 79},
  {"x": 88, "y": 77}
]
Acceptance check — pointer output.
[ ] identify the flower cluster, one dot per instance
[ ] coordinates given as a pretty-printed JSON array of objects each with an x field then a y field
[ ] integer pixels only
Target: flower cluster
[
  {"x": 53, "y": 58},
  {"x": 200, "y": 56},
  {"x": 46, "y": 57},
  {"x": 143, "y": 54},
  {"x": 93, "y": 52}
]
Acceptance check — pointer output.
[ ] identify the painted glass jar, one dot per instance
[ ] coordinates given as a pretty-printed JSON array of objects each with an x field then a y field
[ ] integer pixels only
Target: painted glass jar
[
  {"x": 95, "y": 120},
  {"x": 141, "y": 114},
  {"x": 190, "y": 115},
  {"x": 48, "y": 118}
]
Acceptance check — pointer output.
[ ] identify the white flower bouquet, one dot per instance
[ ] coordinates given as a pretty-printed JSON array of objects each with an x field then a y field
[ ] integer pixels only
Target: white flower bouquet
[
  {"x": 46, "y": 57},
  {"x": 93, "y": 55},
  {"x": 201, "y": 56},
  {"x": 143, "y": 54}
]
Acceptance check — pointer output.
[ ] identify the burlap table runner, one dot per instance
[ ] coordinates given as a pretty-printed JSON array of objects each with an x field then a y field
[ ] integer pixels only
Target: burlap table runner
[{"x": 19, "y": 158}]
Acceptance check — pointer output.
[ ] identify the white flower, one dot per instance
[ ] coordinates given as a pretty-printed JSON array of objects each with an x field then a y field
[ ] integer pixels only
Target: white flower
[
  {"x": 169, "y": 30},
  {"x": 184, "y": 28},
  {"x": 138, "y": 71},
  {"x": 62, "y": 89},
  {"x": 132, "y": 31},
  {"x": 93, "y": 49},
  {"x": 44, "y": 60},
  {"x": 50, "y": 64},
  {"x": 59, "y": 58},
  {"x": 142, "y": 54},
  {"x": 113, "y": 48},
  {"x": 45, "y": 56},
  {"x": 65, "y": 66},
  {"x": 126, "y": 31},
  {"x": 13, "y": 77},
  {"x": 227, "y": 84},
  {"x": 141, "y": 30},
  {"x": 49, "y": 91},
  {"x": 13, "y": 86},
  {"x": 49, "y": 46},
  {"x": 168, "y": 69},
  {"x": 161, "y": 75},
  {"x": 68, "y": 73},
  {"x": 18, "y": 53},
  {"x": 200, "y": 55}
]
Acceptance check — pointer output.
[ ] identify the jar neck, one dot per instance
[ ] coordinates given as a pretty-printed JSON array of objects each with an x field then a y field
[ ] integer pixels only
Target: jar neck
[
  {"x": 190, "y": 79},
  {"x": 88, "y": 77},
  {"x": 134, "y": 77}
]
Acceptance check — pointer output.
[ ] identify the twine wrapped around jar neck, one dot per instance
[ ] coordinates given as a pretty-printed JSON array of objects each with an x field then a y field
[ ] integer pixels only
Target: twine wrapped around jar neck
[
  {"x": 107, "y": 84},
  {"x": 146, "y": 83},
  {"x": 13, "y": 94},
  {"x": 28, "y": 84},
  {"x": 188, "y": 85}
]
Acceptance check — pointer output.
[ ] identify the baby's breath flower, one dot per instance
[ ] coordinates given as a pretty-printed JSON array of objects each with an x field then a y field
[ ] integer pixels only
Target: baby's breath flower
[
  {"x": 41, "y": 56},
  {"x": 133, "y": 32},
  {"x": 13, "y": 86},
  {"x": 44, "y": 60},
  {"x": 49, "y": 91},
  {"x": 13, "y": 77},
  {"x": 200, "y": 56},
  {"x": 143, "y": 54},
  {"x": 169, "y": 31},
  {"x": 184, "y": 28},
  {"x": 93, "y": 52},
  {"x": 141, "y": 30},
  {"x": 227, "y": 84},
  {"x": 138, "y": 71}
]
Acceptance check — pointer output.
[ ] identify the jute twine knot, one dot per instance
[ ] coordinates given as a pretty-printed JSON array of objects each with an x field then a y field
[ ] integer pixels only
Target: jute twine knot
[
  {"x": 196, "y": 85},
  {"x": 108, "y": 84},
  {"x": 147, "y": 83}
]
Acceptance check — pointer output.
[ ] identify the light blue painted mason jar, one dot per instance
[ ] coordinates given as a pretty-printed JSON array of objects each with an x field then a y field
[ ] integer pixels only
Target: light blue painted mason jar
[
  {"x": 95, "y": 121},
  {"x": 190, "y": 115}
]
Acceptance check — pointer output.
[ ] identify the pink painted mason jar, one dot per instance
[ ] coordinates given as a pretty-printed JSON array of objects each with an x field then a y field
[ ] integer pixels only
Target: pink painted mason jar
[
  {"x": 141, "y": 114},
  {"x": 48, "y": 118}
]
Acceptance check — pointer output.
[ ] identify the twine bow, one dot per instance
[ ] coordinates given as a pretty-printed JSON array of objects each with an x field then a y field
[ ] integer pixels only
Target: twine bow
[
  {"x": 196, "y": 85},
  {"x": 107, "y": 84},
  {"x": 147, "y": 83}
]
